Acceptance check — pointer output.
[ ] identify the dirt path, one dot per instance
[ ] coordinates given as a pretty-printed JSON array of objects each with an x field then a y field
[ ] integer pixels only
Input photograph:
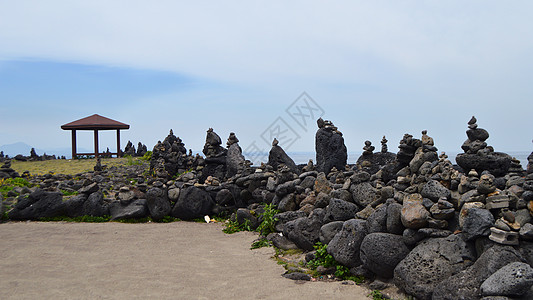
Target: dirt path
[{"x": 180, "y": 260}]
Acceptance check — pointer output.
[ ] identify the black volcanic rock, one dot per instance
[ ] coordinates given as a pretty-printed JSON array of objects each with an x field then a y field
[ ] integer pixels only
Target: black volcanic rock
[
  {"x": 330, "y": 149},
  {"x": 277, "y": 156}
]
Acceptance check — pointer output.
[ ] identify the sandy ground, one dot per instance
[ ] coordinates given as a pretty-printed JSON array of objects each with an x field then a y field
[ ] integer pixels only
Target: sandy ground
[{"x": 180, "y": 260}]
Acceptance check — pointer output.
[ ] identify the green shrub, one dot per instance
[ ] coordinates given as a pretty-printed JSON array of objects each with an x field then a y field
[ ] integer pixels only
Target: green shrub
[
  {"x": 268, "y": 222},
  {"x": 323, "y": 258}
]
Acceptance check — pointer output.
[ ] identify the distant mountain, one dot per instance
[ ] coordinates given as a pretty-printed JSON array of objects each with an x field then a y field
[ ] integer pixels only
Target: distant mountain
[
  {"x": 16, "y": 148},
  {"x": 22, "y": 148}
]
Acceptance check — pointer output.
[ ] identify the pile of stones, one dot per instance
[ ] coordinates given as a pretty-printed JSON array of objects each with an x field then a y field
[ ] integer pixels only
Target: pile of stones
[
  {"x": 411, "y": 219},
  {"x": 33, "y": 156},
  {"x": 130, "y": 149}
]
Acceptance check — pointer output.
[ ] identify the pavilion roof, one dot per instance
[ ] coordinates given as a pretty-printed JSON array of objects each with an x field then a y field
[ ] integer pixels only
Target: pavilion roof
[{"x": 95, "y": 122}]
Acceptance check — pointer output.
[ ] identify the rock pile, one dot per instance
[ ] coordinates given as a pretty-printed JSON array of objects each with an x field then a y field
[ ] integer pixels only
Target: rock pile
[
  {"x": 130, "y": 149},
  {"x": 435, "y": 230},
  {"x": 330, "y": 149},
  {"x": 479, "y": 156}
]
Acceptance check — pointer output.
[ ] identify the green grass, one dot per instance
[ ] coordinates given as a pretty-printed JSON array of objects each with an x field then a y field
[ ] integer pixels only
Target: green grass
[
  {"x": 63, "y": 166},
  {"x": 69, "y": 193},
  {"x": 8, "y": 184}
]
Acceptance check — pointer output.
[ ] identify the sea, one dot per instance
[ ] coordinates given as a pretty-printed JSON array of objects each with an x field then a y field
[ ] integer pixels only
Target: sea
[{"x": 304, "y": 157}]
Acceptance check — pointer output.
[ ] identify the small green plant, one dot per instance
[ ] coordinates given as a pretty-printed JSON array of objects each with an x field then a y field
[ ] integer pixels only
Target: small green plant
[
  {"x": 260, "y": 243},
  {"x": 69, "y": 193},
  {"x": 343, "y": 273},
  {"x": 268, "y": 222},
  {"x": 377, "y": 295},
  {"x": 234, "y": 226},
  {"x": 323, "y": 258},
  {"x": 147, "y": 156}
]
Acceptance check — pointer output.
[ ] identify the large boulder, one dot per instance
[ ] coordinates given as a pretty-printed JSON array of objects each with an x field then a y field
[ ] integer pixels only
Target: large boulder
[
  {"x": 377, "y": 221},
  {"x": 132, "y": 210},
  {"x": 277, "y": 156},
  {"x": 234, "y": 160},
  {"x": 95, "y": 205},
  {"x": 434, "y": 190},
  {"x": 346, "y": 244},
  {"x": 513, "y": 280},
  {"x": 496, "y": 163},
  {"x": 381, "y": 252},
  {"x": 477, "y": 223},
  {"x": 466, "y": 284},
  {"x": 330, "y": 149},
  {"x": 363, "y": 193},
  {"x": 414, "y": 215},
  {"x": 157, "y": 203},
  {"x": 430, "y": 263},
  {"x": 329, "y": 230},
  {"x": 73, "y": 207},
  {"x": 340, "y": 210},
  {"x": 394, "y": 218},
  {"x": 285, "y": 217},
  {"x": 305, "y": 232},
  {"x": 39, "y": 204},
  {"x": 192, "y": 203}
]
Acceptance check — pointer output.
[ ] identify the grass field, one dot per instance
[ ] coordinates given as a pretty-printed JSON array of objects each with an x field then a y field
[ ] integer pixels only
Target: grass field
[{"x": 66, "y": 166}]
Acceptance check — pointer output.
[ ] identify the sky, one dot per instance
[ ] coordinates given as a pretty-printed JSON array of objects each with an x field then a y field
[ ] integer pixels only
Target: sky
[{"x": 267, "y": 68}]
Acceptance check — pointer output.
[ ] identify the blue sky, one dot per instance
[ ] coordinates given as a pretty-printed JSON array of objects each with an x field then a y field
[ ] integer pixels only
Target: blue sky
[{"x": 373, "y": 67}]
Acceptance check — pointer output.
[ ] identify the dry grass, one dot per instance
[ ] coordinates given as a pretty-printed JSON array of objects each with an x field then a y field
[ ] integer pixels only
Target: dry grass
[{"x": 63, "y": 166}]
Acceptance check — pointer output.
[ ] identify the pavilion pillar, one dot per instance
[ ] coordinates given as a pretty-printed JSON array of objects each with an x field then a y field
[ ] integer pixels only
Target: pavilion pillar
[
  {"x": 96, "y": 143},
  {"x": 118, "y": 143},
  {"x": 74, "y": 155}
]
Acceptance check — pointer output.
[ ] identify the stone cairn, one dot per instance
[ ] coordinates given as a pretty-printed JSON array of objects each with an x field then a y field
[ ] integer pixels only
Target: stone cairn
[
  {"x": 374, "y": 162},
  {"x": 215, "y": 157},
  {"x": 130, "y": 149},
  {"x": 530, "y": 163},
  {"x": 330, "y": 149},
  {"x": 277, "y": 157},
  {"x": 234, "y": 159},
  {"x": 478, "y": 155},
  {"x": 433, "y": 229}
]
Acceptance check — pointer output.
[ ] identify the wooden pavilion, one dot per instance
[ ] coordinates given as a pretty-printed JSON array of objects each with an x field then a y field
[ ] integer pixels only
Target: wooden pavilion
[{"x": 95, "y": 123}]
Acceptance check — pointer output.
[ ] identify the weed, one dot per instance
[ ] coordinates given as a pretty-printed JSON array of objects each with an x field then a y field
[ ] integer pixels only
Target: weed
[
  {"x": 323, "y": 258},
  {"x": 268, "y": 222},
  {"x": 234, "y": 226},
  {"x": 69, "y": 193},
  {"x": 260, "y": 243},
  {"x": 343, "y": 273},
  {"x": 377, "y": 295}
]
